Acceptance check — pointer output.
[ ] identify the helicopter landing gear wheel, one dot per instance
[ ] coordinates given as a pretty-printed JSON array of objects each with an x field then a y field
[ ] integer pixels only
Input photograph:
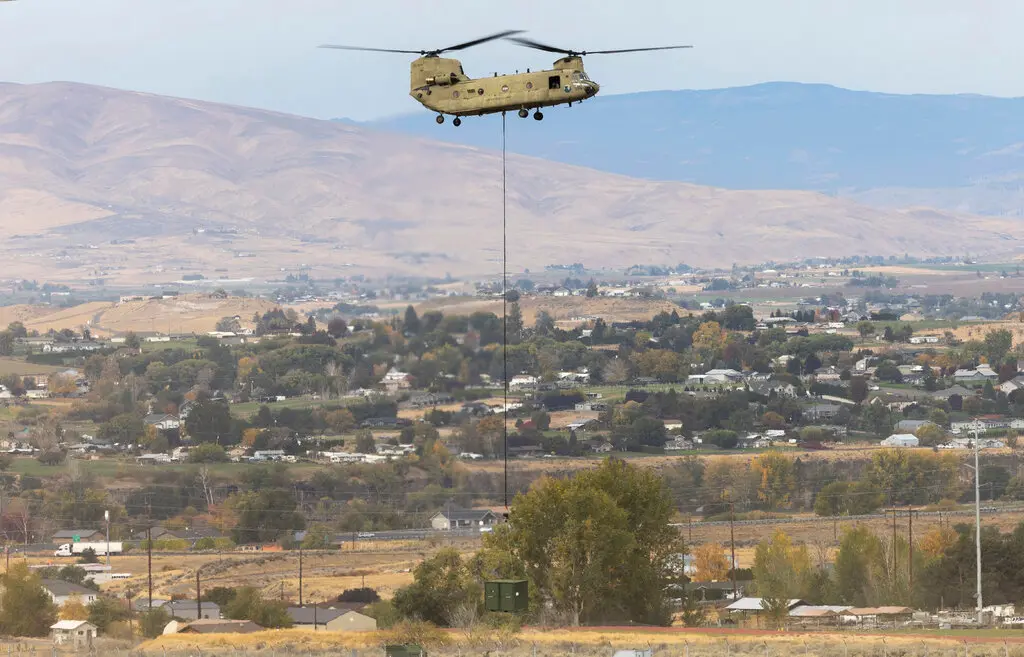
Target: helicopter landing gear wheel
[
  {"x": 523, "y": 114},
  {"x": 538, "y": 115},
  {"x": 440, "y": 119},
  {"x": 457, "y": 122}
]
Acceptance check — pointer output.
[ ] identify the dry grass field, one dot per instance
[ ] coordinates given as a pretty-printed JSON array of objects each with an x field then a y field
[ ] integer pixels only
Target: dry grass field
[
  {"x": 602, "y": 642},
  {"x": 561, "y": 309}
]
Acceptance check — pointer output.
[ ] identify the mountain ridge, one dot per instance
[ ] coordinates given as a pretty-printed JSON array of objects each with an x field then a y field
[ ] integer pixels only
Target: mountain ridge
[
  {"x": 232, "y": 192},
  {"x": 962, "y": 152}
]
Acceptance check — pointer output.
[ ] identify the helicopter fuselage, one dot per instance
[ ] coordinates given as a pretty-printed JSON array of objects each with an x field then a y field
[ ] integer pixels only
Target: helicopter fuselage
[{"x": 441, "y": 85}]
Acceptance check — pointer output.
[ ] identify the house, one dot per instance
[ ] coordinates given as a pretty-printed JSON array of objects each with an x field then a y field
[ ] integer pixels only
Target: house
[
  {"x": 910, "y": 426},
  {"x": 877, "y": 615},
  {"x": 680, "y": 442},
  {"x": 715, "y": 377},
  {"x": 780, "y": 388},
  {"x": 61, "y": 591},
  {"x": 755, "y": 605},
  {"x": 821, "y": 411},
  {"x": 456, "y": 518},
  {"x": 219, "y": 626},
  {"x": 924, "y": 339},
  {"x": 949, "y": 392},
  {"x": 162, "y": 422},
  {"x": 1012, "y": 385},
  {"x": 522, "y": 381},
  {"x": 395, "y": 380},
  {"x": 76, "y": 535},
  {"x": 188, "y": 610},
  {"x": 600, "y": 446},
  {"x": 901, "y": 440},
  {"x": 75, "y": 633},
  {"x": 337, "y": 618},
  {"x": 982, "y": 374}
]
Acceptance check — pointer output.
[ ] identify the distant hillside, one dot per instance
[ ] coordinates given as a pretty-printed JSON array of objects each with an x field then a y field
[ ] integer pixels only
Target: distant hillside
[
  {"x": 105, "y": 185},
  {"x": 961, "y": 152}
]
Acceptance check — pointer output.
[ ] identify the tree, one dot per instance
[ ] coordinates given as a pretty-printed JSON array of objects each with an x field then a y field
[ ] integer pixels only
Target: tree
[
  {"x": 591, "y": 289},
  {"x": 777, "y": 474},
  {"x": 131, "y": 341},
  {"x": 318, "y": 537},
  {"x": 365, "y": 444},
  {"x": 782, "y": 570},
  {"x": 710, "y": 563},
  {"x": 997, "y": 345},
  {"x": 209, "y": 422},
  {"x": 858, "y": 389},
  {"x": 514, "y": 325},
  {"x": 73, "y": 609},
  {"x": 264, "y": 515},
  {"x": 26, "y": 609},
  {"x": 104, "y": 611},
  {"x": 153, "y": 622},
  {"x": 6, "y": 343},
  {"x": 248, "y": 604},
  {"x": 865, "y": 328},
  {"x": 930, "y": 435},
  {"x": 337, "y": 328},
  {"x": 855, "y": 566},
  {"x": 441, "y": 585},
  {"x": 596, "y": 546},
  {"x": 411, "y": 323}
]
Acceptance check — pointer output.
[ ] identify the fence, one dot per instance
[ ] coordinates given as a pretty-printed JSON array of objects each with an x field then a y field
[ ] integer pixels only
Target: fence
[{"x": 604, "y": 646}]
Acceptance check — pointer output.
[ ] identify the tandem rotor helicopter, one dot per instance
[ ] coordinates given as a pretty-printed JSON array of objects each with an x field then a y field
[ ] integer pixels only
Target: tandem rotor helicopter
[{"x": 440, "y": 84}]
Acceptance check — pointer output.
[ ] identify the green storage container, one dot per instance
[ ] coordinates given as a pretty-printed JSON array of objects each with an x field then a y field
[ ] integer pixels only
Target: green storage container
[
  {"x": 508, "y": 595},
  {"x": 407, "y": 650}
]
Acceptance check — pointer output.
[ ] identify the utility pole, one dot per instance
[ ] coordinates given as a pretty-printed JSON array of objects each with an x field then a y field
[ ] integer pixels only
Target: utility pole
[
  {"x": 894, "y": 510},
  {"x": 732, "y": 546},
  {"x": 977, "y": 522},
  {"x": 199, "y": 602},
  {"x": 106, "y": 518},
  {"x": 300, "y": 575},
  {"x": 910, "y": 546},
  {"x": 149, "y": 563}
]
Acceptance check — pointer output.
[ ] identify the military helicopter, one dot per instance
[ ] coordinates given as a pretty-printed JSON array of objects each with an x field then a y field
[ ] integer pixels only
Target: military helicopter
[{"x": 440, "y": 84}]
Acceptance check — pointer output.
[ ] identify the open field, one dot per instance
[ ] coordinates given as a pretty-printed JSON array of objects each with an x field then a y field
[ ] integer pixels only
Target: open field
[
  {"x": 604, "y": 641},
  {"x": 560, "y": 308},
  {"x": 20, "y": 367}
]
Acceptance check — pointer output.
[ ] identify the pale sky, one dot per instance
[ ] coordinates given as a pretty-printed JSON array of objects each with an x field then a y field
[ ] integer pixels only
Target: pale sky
[{"x": 262, "y": 53}]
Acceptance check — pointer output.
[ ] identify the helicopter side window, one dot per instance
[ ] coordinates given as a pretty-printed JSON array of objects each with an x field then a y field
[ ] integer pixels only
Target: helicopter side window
[{"x": 554, "y": 82}]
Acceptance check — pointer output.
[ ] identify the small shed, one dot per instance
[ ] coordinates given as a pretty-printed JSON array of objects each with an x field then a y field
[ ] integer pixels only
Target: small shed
[{"x": 75, "y": 633}]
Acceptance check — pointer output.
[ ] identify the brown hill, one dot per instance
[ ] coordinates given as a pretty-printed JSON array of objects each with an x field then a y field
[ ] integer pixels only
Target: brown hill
[{"x": 81, "y": 166}]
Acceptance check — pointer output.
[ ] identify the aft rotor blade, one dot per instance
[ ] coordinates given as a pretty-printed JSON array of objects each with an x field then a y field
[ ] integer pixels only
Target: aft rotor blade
[
  {"x": 530, "y": 43},
  {"x": 611, "y": 52},
  {"x": 408, "y": 52},
  {"x": 476, "y": 42}
]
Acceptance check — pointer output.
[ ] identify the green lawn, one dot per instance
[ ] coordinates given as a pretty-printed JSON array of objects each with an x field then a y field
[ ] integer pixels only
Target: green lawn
[
  {"x": 126, "y": 468},
  {"x": 174, "y": 344},
  {"x": 248, "y": 409}
]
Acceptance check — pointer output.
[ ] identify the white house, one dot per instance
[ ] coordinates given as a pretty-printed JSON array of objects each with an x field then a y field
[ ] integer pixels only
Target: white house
[
  {"x": 520, "y": 381},
  {"x": 61, "y": 591},
  {"x": 901, "y": 440},
  {"x": 395, "y": 380}
]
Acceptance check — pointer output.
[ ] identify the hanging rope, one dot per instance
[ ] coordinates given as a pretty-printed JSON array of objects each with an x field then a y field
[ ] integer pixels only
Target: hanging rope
[{"x": 504, "y": 309}]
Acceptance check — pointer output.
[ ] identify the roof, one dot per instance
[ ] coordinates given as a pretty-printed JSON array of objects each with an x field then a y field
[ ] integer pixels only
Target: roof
[
  {"x": 816, "y": 611},
  {"x": 878, "y": 611},
  {"x": 754, "y": 604},
  {"x": 465, "y": 514},
  {"x": 71, "y": 625},
  {"x": 174, "y": 605},
  {"x": 60, "y": 588},
  {"x": 219, "y": 626},
  {"x": 71, "y": 533},
  {"x": 305, "y": 615}
]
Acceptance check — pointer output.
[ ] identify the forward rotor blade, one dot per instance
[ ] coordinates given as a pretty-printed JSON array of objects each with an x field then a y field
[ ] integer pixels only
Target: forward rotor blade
[
  {"x": 408, "y": 52},
  {"x": 530, "y": 43},
  {"x": 476, "y": 42},
  {"x": 611, "y": 52}
]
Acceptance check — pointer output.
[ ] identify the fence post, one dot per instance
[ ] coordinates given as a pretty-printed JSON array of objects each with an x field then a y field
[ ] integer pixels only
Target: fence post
[
  {"x": 727, "y": 648},
  {"x": 686, "y": 648},
  {"x": 885, "y": 648},
  {"x": 1006, "y": 650},
  {"x": 765, "y": 649},
  {"x": 967, "y": 652},
  {"x": 845, "y": 649}
]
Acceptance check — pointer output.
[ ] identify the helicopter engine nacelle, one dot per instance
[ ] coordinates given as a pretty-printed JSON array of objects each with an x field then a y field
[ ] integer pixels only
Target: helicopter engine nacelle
[{"x": 442, "y": 79}]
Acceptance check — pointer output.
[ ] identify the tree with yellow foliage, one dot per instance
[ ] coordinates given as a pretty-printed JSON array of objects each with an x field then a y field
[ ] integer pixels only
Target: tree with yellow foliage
[
  {"x": 710, "y": 563},
  {"x": 936, "y": 541},
  {"x": 74, "y": 609},
  {"x": 777, "y": 473},
  {"x": 709, "y": 337}
]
